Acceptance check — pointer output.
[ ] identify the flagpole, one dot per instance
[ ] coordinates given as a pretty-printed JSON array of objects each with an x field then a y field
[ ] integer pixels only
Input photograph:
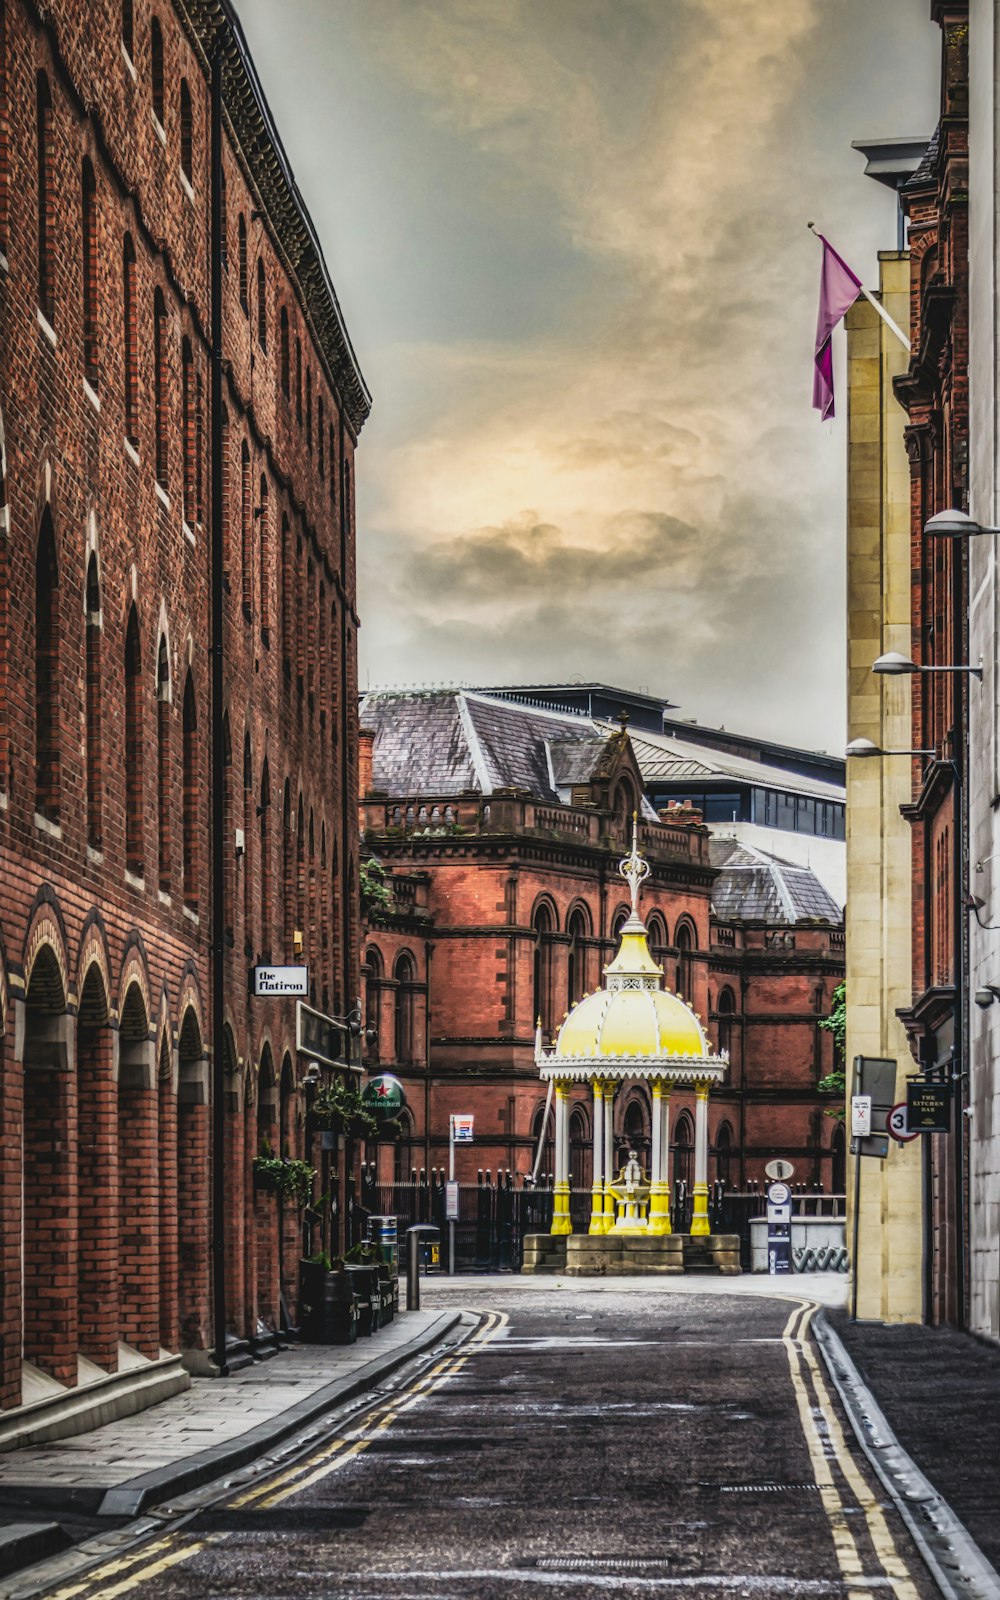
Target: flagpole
[{"x": 877, "y": 304}]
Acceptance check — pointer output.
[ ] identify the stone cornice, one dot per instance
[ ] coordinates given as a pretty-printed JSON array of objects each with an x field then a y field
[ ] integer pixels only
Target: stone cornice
[{"x": 258, "y": 145}]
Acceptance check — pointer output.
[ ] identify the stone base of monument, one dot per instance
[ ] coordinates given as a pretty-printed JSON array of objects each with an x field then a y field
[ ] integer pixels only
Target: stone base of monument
[{"x": 619, "y": 1254}]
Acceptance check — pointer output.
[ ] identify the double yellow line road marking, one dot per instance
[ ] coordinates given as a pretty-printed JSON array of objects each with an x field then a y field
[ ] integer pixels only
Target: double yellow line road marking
[
  {"x": 825, "y": 1441},
  {"x": 128, "y": 1573}
]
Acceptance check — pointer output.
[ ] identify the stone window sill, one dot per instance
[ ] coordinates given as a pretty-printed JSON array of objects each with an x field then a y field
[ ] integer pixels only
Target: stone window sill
[
  {"x": 135, "y": 881},
  {"x": 92, "y": 395},
  {"x": 162, "y": 495},
  {"x": 47, "y": 328},
  {"x": 131, "y": 452},
  {"x": 46, "y": 825}
]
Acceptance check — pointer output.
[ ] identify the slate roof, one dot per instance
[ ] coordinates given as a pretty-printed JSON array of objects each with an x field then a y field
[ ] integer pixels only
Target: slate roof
[
  {"x": 444, "y": 741},
  {"x": 672, "y": 760},
  {"x": 753, "y": 886}
]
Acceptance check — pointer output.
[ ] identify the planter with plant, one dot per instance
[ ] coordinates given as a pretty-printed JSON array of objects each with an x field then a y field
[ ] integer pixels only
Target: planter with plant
[
  {"x": 340, "y": 1109},
  {"x": 328, "y": 1306},
  {"x": 292, "y": 1180}
]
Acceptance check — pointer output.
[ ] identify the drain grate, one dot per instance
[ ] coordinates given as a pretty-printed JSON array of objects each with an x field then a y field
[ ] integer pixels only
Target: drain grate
[
  {"x": 763, "y": 1488},
  {"x": 604, "y": 1563}
]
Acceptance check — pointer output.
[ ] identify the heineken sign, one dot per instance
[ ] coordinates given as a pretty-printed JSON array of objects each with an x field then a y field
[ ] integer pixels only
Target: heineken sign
[{"x": 384, "y": 1095}]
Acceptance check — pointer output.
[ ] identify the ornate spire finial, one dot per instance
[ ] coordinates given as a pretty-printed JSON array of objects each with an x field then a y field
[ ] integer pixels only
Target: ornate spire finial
[{"x": 634, "y": 868}]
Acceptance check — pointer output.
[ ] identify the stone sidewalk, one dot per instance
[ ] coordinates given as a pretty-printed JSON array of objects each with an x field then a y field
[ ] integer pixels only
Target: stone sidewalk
[
  {"x": 940, "y": 1393},
  {"x": 54, "y": 1491}
]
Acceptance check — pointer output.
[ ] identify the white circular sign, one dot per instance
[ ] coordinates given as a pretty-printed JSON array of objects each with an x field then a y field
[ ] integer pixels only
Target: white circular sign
[
  {"x": 779, "y": 1194},
  {"x": 779, "y": 1170},
  {"x": 897, "y": 1124}
]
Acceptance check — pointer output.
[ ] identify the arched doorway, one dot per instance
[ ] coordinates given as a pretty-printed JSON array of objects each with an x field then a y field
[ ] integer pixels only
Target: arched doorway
[
  {"x": 97, "y": 1176},
  {"x": 266, "y": 1207},
  {"x": 138, "y": 1180},
  {"x": 191, "y": 1219},
  {"x": 635, "y": 1131},
  {"x": 50, "y": 1175},
  {"x": 580, "y": 1150},
  {"x": 166, "y": 1134},
  {"x": 723, "y": 1154},
  {"x": 683, "y": 1150}
]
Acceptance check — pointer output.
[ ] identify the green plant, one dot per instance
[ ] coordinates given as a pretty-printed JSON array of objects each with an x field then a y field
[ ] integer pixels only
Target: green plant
[
  {"x": 292, "y": 1180},
  {"x": 376, "y": 893},
  {"x": 835, "y": 1082},
  {"x": 337, "y": 1106}
]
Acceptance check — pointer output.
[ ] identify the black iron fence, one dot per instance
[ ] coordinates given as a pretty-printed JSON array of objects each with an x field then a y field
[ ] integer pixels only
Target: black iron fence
[{"x": 494, "y": 1216}]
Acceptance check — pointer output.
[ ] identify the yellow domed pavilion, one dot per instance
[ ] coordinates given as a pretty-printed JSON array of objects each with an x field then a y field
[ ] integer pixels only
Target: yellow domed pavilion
[{"x": 632, "y": 1028}]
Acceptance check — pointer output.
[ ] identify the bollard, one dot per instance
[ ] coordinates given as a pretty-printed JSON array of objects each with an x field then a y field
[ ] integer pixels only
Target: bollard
[{"x": 413, "y": 1242}]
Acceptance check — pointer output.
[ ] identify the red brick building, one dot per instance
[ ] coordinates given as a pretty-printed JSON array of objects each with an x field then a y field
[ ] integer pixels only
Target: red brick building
[
  {"x": 500, "y": 827},
  {"x": 935, "y": 394},
  {"x": 105, "y": 277}
]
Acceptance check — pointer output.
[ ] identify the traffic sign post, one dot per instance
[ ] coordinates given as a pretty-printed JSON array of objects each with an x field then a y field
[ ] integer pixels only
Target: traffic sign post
[
  {"x": 779, "y": 1229},
  {"x": 459, "y": 1132}
]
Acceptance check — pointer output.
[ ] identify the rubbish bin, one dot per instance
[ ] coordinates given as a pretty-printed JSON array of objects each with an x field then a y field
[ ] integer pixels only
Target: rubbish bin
[
  {"x": 416, "y": 1237},
  {"x": 384, "y": 1232}
]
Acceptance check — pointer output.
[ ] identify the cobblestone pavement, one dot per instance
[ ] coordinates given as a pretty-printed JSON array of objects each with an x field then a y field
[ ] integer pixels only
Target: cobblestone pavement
[{"x": 586, "y": 1441}]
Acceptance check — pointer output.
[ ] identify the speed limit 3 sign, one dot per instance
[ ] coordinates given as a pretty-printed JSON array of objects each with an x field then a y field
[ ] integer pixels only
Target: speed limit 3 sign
[{"x": 897, "y": 1126}]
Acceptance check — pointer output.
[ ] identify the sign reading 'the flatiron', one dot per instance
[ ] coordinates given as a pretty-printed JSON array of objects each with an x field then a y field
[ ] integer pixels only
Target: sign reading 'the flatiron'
[
  {"x": 928, "y": 1106},
  {"x": 279, "y": 980}
]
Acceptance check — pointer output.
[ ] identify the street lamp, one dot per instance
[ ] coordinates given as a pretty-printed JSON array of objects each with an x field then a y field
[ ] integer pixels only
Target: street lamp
[
  {"x": 865, "y": 748},
  {"x": 955, "y": 524},
  {"x": 893, "y": 665}
]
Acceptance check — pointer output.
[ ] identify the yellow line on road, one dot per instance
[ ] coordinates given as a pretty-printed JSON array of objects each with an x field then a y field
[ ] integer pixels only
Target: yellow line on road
[
  {"x": 95, "y": 1581},
  {"x": 795, "y": 1339}
]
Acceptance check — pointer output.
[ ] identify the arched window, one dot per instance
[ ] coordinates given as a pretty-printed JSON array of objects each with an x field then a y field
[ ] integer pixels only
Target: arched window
[
  {"x": 656, "y": 930},
  {"x": 347, "y": 509},
  {"x": 46, "y": 201},
  {"x": 4, "y": 132},
  {"x": 333, "y": 472},
  {"x": 577, "y": 974},
  {"x": 47, "y": 677},
  {"x": 128, "y": 29},
  {"x": 156, "y": 70},
  {"x": 300, "y": 870},
  {"x": 199, "y": 450},
  {"x": 624, "y": 805},
  {"x": 618, "y": 922},
  {"x": 723, "y": 1154},
  {"x": 134, "y": 748},
  {"x": 248, "y": 833},
  {"x": 283, "y": 353},
  {"x": 310, "y": 635},
  {"x": 90, "y": 275},
  {"x": 224, "y": 227},
  {"x": 634, "y": 1134},
  {"x": 287, "y": 885},
  {"x": 163, "y": 771},
  {"x": 187, "y": 133},
  {"x": 542, "y": 1132},
  {"x": 320, "y": 431},
  {"x": 404, "y": 975},
  {"x": 264, "y": 558},
  {"x": 683, "y": 1150},
  {"x": 580, "y": 1150},
  {"x": 309, "y": 409},
  {"x": 685, "y": 941},
  {"x": 229, "y": 817},
  {"x": 726, "y": 1007},
  {"x": 298, "y": 380},
  {"x": 159, "y": 381},
  {"x": 188, "y": 439},
  {"x": 324, "y": 916},
  {"x": 95, "y": 771},
  {"x": 312, "y": 907},
  {"x": 246, "y": 517},
  {"x": 264, "y": 852},
  {"x": 543, "y": 926},
  {"x": 131, "y": 343},
  {"x": 244, "y": 279},
  {"x": 286, "y": 1108},
  {"x": 838, "y": 1163},
  {"x": 261, "y": 304},
  {"x": 191, "y": 809},
  {"x": 287, "y": 592},
  {"x": 374, "y": 971}
]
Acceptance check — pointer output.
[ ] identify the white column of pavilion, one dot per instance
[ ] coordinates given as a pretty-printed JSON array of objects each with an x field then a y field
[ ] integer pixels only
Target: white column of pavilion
[
  {"x": 597, "y": 1186},
  {"x": 561, "y": 1222}
]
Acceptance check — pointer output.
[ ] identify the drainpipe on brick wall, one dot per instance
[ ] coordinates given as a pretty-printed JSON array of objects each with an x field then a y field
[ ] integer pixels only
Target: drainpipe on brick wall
[{"x": 218, "y": 832}]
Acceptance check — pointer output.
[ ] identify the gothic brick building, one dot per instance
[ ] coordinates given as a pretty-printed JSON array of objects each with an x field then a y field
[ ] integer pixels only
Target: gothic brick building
[
  {"x": 501, "y": 825},
  {"x": 105, "y": 278}
]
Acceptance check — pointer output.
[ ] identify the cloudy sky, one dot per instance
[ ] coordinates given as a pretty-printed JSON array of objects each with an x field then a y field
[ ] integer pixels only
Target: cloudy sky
[{"x": 569, "y": 240}]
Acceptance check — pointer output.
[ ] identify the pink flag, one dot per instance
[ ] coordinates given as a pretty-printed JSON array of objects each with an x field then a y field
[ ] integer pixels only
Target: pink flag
[{"x": 838, "y": 290}]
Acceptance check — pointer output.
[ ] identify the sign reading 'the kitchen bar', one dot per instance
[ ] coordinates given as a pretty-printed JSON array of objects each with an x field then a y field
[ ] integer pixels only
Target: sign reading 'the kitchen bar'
[
  {"x": 279, "y": 980},
  {"x": 928, "y": 1106}
]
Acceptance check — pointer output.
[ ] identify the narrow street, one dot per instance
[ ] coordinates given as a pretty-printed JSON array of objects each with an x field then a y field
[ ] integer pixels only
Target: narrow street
[{"x": 581, "y": 1442}]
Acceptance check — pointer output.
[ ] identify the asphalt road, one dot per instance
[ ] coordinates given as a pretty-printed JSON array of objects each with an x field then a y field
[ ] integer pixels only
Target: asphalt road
[{"x": 580, "y": 1444}]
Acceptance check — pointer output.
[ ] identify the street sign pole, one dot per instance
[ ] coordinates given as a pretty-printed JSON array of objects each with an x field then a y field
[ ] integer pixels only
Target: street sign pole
[{"x": 451, "y": 1179}]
